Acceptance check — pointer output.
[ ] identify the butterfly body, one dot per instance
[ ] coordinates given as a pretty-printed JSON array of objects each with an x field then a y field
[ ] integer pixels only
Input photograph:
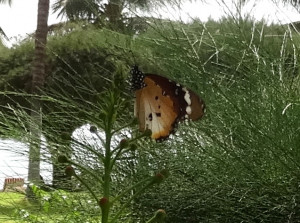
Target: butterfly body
[{"x": 161, "y": 103}]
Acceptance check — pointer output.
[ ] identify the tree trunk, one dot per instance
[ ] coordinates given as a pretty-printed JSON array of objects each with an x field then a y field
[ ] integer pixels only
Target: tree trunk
[
  {"x": 38, "y": 79},
  {"x": 113, "y": 11}
]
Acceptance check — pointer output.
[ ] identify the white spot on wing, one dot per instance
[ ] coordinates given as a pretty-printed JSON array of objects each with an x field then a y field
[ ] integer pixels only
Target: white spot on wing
[
  {"x": 187, "y": 96},
  {"x": 188, "y": 110}
]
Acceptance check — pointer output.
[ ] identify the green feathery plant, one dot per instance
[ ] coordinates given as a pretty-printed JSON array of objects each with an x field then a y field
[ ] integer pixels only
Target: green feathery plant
[
  {"x": 111, "y": 108},
  {"x": 109, "y": 123}
]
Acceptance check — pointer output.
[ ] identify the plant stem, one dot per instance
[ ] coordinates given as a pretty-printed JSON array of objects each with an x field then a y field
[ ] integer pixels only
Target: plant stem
[
  {"x": 130, "y": 188},
  {"x": 107, "y": 163},
  {"x": 87, "y": 186},
  {"x": 86, "y": 170},
  {"x": 89, "y": 148},
  {"x": 130, "y": 200},
  {"x": 153, "y": 219},
  {"x": 106, "y": 182}
]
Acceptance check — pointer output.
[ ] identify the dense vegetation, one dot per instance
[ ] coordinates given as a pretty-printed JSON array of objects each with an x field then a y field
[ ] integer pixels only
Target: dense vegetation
[{"x": 239, "y": 164}]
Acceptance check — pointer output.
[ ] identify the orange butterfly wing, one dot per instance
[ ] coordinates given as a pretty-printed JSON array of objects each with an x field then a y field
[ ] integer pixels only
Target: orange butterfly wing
[
  {"x": 161, "y": 103},
  {"x": 154, "y": 110}
]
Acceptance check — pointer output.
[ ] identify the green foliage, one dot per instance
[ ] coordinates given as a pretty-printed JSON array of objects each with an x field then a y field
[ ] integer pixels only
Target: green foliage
[
  {"x": 240, "y": 163},
  {"x": 101, "y": 173},
  {"x": 8, "y": 203},
  {"x": 55, "y": 206},
  {"x": 76, "y": 66}
]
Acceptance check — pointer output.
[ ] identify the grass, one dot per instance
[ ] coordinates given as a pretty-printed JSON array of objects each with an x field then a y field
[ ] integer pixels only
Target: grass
[
  {"x": 9, "y": 203},
  {"x": 241, "y": 162},
  {"x": 15, "y": 208}
]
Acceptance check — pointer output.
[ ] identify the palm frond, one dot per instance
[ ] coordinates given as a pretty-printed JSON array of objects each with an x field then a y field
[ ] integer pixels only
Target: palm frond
[
  {"x": 76, "y": 9},
  {"x": 2, "y": 33},
  {"x": 9, "y": 2}
]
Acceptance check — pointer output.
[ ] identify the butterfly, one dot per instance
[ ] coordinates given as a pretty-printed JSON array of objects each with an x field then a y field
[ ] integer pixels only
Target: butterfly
[{"x": 161, "y": 103}]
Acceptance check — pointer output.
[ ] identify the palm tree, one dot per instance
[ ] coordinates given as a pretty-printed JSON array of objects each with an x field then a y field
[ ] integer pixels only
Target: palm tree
[
  {"x": 94, "y": 11},
  {"x": 98, "y": 12},
  {"x": 77, "y": 9},
  {"x": 38, "y": 79}
]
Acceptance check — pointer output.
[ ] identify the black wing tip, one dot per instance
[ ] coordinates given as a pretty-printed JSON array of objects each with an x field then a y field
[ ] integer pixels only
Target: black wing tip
[{"x": 135, "y": 69}]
